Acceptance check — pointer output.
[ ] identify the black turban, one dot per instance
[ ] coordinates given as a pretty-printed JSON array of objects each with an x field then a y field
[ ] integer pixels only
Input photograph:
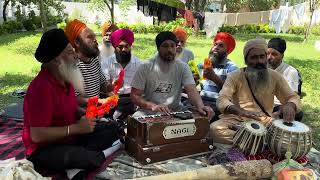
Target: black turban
[
  {"x": 278, "y": 44},
  {"x": 52, "y": 43},
  {"x": 163, "y": 36}
]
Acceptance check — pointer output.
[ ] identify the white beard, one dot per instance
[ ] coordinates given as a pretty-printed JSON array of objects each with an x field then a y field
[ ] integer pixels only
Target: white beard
[
  {"x": 72, "y": 74},
  {"x": 259, "y": 79}
]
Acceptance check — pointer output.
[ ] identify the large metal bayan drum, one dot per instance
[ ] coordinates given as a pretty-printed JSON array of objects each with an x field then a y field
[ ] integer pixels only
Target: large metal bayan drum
[
  {"x": 250, "y": 137},
  {"x": 295, "y": 137}
]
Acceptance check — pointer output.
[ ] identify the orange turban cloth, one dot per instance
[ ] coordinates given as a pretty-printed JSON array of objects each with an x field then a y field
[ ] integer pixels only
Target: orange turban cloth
[
  {"x": 181, "y": 34},
  {"x": 227, "y": 39},
  {"x": 73, "y": 29},
  {"x": 108, "y": 27}
]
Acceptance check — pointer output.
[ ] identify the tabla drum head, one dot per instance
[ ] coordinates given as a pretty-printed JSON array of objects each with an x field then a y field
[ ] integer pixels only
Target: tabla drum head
[
  {"x": 255, "y": 127},
  {"x": 294, "y": 126}
]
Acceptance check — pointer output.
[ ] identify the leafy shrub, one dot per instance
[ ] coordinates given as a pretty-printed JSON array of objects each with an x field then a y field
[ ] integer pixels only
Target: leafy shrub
[
  {"x": 2, "y": 31},
  {"x": 296, "y": 30},
  {"x": 28, "y": 25},
  {"x": 228, "y": 29},
  {"x": 249, "y": 29},
  {"x": 123, "y": 25},
  {"x": 142, "y": 28},
  {"x": 12, "y": 26},
  {"x": 315, "y": 30},
  {"x": 61, "y": 25},
  {"x": 53, "y": 20}
]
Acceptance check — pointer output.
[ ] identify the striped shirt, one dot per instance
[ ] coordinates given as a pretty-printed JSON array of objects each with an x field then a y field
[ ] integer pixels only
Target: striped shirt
[
  {"x": 92, "y": 76},
  {"x": 210, "y": 90},
  {"x": 111, "y": 69}
]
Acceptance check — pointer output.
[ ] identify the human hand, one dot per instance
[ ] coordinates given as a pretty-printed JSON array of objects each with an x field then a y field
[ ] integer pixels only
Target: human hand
[
  {"x": 161, "y": 108},
  {"x": 288, "y": 112},
  {"x": 251, "y": 115},
  {"x": 83, "y": 126},
  {"x": 206, "y": 111},
  {"x": 208, "y": 73}
]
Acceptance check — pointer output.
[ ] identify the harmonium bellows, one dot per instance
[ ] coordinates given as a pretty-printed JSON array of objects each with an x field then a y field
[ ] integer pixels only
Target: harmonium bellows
[{"x": 157, "y": 138}]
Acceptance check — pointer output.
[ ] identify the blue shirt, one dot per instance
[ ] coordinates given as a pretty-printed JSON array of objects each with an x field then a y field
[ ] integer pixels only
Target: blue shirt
[{"x": 210, "y": 90}]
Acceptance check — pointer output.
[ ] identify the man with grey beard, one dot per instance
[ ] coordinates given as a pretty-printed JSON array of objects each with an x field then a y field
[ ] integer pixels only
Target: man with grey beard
[
  {"x": 248, "y": 93},
  {"x": 55, "y": 136}
]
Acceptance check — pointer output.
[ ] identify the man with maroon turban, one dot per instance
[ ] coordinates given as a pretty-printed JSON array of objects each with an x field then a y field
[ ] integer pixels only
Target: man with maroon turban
[
  {"x": 183, "y": 54},
  {"x": 122, "y": 40},
  {"x": 106, "y": 49},
  {"x": 85, "y": 44},
  {"x": 223, "y": 45}
]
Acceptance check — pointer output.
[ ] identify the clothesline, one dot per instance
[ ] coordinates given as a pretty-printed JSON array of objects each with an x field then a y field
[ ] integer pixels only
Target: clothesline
[{"x": 280, "y": 18}]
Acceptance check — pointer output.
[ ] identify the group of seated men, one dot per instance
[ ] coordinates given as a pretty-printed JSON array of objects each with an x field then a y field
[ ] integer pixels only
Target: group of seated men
[{"x": 56, "y": 133}]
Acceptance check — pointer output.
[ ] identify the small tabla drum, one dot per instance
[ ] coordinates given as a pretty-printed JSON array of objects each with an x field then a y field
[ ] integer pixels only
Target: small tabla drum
[
  {"x": 250, "y": 138},
  {"x": 294, "y": 136}
]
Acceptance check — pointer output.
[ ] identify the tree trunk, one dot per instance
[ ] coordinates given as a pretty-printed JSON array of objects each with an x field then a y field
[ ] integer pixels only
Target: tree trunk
[
  {"x": 5, "y": 5},
  {"x": 43, "y": 16},
  {"x": 112, "y": 11},
  {"x": 307, "y": 31},
  {"x": 188, "y": 4},
  {"x": 222, "y": 5}
]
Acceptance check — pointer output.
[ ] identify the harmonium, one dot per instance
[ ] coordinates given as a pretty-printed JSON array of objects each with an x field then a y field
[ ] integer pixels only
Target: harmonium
[{"x": 156, "y": 138}]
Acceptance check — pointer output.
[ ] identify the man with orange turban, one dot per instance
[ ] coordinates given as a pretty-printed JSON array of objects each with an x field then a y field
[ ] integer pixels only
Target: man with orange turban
[
  {"x": 223, "y": 45},
  {"x": 183, "y": 54},
  {"x": 106, "y": 49},
  {"x": 85, "y": 44},
  {"x": 122, "y": 40}
]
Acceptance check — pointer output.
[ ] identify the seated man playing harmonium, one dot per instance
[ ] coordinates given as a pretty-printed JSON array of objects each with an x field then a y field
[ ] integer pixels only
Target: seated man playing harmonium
[
  {"x": 248, "y": 93},
  {"x": 161, "y": 80}
]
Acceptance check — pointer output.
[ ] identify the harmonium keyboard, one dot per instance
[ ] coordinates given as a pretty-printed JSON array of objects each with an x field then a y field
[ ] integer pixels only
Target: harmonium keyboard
[{"x": 156, "y": 138}]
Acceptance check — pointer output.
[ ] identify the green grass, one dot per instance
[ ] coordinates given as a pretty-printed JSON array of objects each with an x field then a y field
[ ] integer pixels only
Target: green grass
[{"x": 18, "y": 66}]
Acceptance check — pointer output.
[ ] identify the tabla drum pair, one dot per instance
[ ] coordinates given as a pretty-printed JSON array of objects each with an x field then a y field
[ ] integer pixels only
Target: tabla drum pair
[{"x": 280, "y": 137}]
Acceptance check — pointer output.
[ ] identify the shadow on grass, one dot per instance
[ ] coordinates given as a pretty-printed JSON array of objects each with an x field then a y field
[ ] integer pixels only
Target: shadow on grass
[
  {"x": 303, "y": 63},
  {"x": 312, "y": 119},
  {"x": 9, "y": 38},
  {"x": 12, "y": 82},
  {"x": 287, "y": 37}
]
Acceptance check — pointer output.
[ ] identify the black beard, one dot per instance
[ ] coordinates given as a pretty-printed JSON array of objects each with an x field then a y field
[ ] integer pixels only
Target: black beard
[
  {"x": 124, "y": 57},
  {"x": 90, "y": 52},
  {"x": 217, "y": 58}
]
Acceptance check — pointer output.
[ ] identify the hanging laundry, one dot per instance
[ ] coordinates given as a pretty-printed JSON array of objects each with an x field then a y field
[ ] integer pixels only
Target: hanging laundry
[
  {"x": 265, "y": 15},
  {"x": 231, "y": 19},
  {"x": 279, "y": 19},
  {"x": 299, "y": 9},
  {"x": 213, "y": 22},
  {"x": 248, "y": 18},
  {"x": 316, "y": 17},
  {"x": 188, "y": 16},
  {"x": 162, "y": 11}
]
